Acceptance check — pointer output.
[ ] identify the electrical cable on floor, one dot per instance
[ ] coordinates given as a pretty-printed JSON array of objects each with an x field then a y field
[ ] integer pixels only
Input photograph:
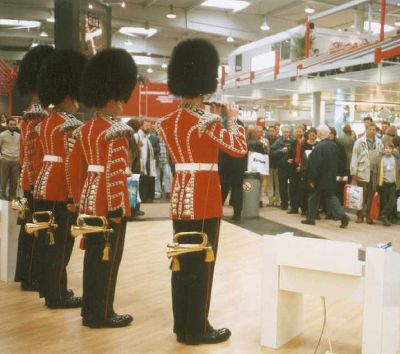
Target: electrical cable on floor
[{"x": 323, "y": 329}]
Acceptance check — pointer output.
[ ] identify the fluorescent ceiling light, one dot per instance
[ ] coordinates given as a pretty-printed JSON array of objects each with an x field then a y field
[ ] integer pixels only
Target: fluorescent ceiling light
[
  {"x": 19, "y": 23},
  {"x": 43, "y": 34},
  {"x": 149, "y": 70},
  {"x": 51, "y": 19},
  {"x": 90, "y": 6},
  {"x": 164, "y": 65},
  {"x": 376, "y": 27},
  {"x": 123, "y": 4},
  {"x": 234, "y": 5},
  {"x": 132, "y": 31},
  {"x": 230, "y": 39}
]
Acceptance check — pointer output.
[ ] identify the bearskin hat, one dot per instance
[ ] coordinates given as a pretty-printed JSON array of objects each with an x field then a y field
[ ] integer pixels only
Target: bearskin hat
[
  {"x": 193, "y": 68},
  {"x": 60, "y": 76},
  {"x": 110, "y": 75},
  {"x": 29, "y": 68}
]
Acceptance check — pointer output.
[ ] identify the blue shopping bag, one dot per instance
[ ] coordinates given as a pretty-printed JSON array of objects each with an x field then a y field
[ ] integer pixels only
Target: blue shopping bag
[{"x": 133, "y": 186}]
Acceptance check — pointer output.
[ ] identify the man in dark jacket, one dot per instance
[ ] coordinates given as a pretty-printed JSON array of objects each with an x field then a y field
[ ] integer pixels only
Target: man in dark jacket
[
  {"x": 282, "y": 153},
  {"x": 231, "y": 172},
  {"x": 323, "y": 164}
]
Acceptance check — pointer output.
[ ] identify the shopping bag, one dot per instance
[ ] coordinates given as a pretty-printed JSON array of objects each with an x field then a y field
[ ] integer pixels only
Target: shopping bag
[
  {"x": 133, "y": 186},
  {"x": 374, "y": 211},
  {"x": 353, "y": 197},
  {"x": 257, "y": 162}
]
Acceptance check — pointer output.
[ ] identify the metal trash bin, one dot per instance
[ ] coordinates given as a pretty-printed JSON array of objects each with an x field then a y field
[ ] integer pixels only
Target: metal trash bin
[{"x": 251, "y": 195}]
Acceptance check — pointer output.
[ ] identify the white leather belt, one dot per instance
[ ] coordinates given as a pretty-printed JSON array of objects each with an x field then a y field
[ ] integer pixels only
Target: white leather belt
[
  {"x": 95, "y": 168},
  {"x": 52, "y": 158},
  {"x": 196, "y": 167}
]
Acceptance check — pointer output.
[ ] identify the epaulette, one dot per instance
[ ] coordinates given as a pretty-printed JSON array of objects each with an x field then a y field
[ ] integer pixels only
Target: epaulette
[
  {"x": 70, "y": 123},
  {"x": 117, "y": 130},
  {"x": 35, "y": 111},
  {"x": 205, "y": 118}
]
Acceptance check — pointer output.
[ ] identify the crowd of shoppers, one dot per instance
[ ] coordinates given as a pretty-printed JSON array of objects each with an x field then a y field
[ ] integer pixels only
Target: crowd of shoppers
[{"x": 309, "y": 169}]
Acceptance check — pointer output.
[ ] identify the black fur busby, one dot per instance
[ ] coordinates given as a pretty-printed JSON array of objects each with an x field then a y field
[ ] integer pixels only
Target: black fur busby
[
  {"x": 110, "y": 75},
  {"x": 29, "y": 68},
  {"x": 193, "y": 68},
  {"x": 60, "y": 76}
]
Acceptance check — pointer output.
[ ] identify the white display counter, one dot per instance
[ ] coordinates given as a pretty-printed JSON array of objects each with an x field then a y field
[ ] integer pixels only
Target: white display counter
[{"x": 9, "y": 231}]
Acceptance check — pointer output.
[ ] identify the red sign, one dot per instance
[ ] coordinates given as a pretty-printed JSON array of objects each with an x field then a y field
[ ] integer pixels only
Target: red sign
[{"x": 151, "y": 100}]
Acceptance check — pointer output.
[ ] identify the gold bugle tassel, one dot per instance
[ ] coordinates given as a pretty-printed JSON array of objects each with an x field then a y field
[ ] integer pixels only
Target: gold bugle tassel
[
  {"x": 176, "y": 266},
  {"x": 106, "y": 252},
  {"x": 52, "y": 242},
  {"x": 209, "y": 255}
]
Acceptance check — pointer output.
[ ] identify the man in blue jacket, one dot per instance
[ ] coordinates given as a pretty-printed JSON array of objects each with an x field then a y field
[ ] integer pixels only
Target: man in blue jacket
[{"x": 322, "y": 175}]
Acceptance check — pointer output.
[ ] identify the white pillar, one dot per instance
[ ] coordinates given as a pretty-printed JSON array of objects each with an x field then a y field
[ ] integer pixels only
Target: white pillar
[{"x": 316, "y": 109}]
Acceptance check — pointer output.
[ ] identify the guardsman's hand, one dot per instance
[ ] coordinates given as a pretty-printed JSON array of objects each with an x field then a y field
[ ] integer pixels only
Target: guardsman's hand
[
  {"x": 116, "y": 220},
  {"x": 71, "y": 208},
  {"x": 232, "y": 111}
]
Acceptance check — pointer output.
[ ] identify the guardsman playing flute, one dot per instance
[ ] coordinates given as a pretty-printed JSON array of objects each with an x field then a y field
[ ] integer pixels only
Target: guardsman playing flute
[{"x": 193, "y": 138}]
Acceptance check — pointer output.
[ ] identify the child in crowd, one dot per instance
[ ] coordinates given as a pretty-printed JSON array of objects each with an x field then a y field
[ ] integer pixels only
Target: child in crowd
[{"x": 387, "y": 178}]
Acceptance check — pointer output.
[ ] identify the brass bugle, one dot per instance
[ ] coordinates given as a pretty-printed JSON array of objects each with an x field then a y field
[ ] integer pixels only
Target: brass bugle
[
  {"x": 37, "y": 225},
  {"x": 82, "y": 228},
  {"x": 176, "y": 249}
]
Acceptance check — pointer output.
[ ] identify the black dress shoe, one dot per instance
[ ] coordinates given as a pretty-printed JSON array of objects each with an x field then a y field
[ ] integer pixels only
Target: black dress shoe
[
  {"x": 212, "y": 336},
  {"x": 115, "y": 321},
  {"x": 69, "y": 302},
  {"x": 345, "y": 222},
  {"x": 308, "y": 222}
]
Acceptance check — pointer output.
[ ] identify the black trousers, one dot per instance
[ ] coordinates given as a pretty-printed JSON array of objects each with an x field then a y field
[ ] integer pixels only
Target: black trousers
[
  {"x": 100, "y": 277},
  {"x": 27, "y": 269},
  {"x": 191, "y": 286},
  {"x": 236, "y": 194},
  {"x": 331, "y": 201},
  {"x": 284, "y": 174},
  {"x": 55, "y": 258},
  {"x": 387, "y": 199},
  {"x": 295, "y": 191}
]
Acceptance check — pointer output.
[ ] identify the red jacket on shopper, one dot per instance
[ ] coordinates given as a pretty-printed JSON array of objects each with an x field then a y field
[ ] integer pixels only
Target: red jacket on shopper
[
  {"x": 55, "y": 135},
  {"x": 98, "y": 167},
  {"x": 193, "y": 138}
]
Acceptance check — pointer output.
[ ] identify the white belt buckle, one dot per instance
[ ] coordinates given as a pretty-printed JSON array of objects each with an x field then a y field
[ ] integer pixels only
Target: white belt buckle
[
  {"x": 52, "y": 158},
  {"x": 95, "y": 168}
]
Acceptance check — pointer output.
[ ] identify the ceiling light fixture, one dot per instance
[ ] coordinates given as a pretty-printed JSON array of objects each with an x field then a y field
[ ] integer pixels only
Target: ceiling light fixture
[
  {"x": 51, "y": 19},
  {"x": 43, "y": 34},
  {"x": 132, "y": 31},
  {"x": 149, "y": 54},
  {"x": 90, "y": 6},
  {"x": 171, "y": 14},
  {"x": 149, "y": 70},
  {"x": 309, "y": 10},
  {"x": 234, "y": 5},
  {"x": 19, "y": 23},
  {"x": 164, "y": 65},
  {"x": 264, "y": 26},
  {"x": 123, "y": 4},
  {"x": 230, "y": 39}
]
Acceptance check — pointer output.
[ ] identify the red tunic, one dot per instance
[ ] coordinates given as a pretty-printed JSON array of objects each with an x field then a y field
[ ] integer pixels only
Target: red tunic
[
  {"x": 98, "y": 164},
  {"x": 55, "y": 135},
  {"x": 194, "y": 136},
  {"x": 30, "y": 152}
]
